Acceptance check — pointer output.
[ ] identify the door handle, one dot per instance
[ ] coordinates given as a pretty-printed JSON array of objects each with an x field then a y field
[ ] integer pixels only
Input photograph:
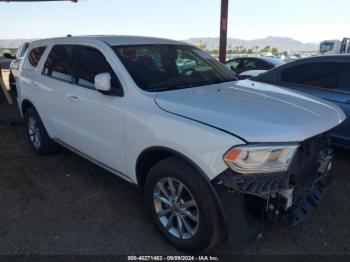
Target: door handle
[{"x": 73, "y": 98}]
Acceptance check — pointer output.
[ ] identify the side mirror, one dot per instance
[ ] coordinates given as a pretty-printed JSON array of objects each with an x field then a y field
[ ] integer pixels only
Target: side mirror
[
  {"x": 8, "y": 56},
  {"x": 103, "y": 85},
  {"x": 103, "y": 82}
]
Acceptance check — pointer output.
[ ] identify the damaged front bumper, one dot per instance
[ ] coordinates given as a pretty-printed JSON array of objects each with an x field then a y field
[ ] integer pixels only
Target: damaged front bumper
[{"x": 287, "y": 197}]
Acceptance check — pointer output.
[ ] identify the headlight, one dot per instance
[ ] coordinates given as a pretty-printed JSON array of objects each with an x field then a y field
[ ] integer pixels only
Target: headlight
[{"x": 260, "y": 159}]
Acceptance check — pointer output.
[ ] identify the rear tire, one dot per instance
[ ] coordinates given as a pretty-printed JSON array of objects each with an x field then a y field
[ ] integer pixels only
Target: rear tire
[
  {"x": 38, "y": 138},
  {"x": 189, "y": 220}
]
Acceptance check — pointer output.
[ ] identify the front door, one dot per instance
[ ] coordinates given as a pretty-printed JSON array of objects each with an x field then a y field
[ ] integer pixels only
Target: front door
[{"x": 96, "y": 119}]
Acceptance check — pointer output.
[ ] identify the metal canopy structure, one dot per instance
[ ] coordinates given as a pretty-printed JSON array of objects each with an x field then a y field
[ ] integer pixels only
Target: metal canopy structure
[
  {"x": 75, "y": 1},
  {"x": 223, "y": 31}
]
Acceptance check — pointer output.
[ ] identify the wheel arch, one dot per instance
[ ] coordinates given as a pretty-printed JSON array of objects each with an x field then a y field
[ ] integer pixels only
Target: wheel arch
[
  {"x": 152, "y": 155},
  {"x": 26, "y": 103}
]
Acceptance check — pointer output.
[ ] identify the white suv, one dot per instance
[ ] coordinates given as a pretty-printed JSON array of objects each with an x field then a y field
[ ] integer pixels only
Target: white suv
[{"x": 211, "y": 154}]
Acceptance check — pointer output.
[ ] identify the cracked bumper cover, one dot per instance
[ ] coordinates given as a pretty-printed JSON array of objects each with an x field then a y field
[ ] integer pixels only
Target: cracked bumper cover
[{"x": 304, "y": 182}]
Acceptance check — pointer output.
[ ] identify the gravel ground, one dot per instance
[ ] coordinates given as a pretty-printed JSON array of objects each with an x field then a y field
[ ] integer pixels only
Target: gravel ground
[{"x": 62, "y": 204}]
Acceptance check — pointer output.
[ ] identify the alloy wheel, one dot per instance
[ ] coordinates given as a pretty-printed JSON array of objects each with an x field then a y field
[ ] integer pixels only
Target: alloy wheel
[
  {"x": 34, "y": 132},
  {"x": 176, "y": 208}
]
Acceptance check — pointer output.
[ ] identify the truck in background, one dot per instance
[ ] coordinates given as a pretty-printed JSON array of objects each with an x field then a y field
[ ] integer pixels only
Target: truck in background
[{"x": 331, "y": 47}]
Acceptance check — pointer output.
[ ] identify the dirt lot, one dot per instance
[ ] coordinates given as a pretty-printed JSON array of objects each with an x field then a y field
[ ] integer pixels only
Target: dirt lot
[{"x": 63, "y": 204}]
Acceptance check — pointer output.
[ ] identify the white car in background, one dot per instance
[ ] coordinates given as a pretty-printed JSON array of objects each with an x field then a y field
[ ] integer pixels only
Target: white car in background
[{"x": 210, "y": 154}]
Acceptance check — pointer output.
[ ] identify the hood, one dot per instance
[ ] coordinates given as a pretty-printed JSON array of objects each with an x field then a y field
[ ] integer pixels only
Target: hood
[{"x": 254, "y": 111}]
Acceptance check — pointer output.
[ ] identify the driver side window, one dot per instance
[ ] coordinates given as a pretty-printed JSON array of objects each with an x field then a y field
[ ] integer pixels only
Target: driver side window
[{"x": 90, "y": 63}]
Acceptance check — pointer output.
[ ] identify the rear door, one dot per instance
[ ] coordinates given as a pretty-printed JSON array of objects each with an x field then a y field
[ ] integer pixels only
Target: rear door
[
  {"x": 56, "y": 78},
  {"x": 324, "y": 80}
]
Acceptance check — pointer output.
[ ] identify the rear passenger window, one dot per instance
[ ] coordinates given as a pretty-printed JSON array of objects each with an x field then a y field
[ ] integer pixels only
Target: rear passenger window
[
  {"x": 59, "y": 63},
  {"x": 90, "y": 63},
  {"x": 324, "y": 75},
  {"x": 34, "y": 57}
]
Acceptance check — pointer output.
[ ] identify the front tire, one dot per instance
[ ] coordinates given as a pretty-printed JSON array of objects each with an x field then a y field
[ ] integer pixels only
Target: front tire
[
  {"x": 183, "y": 206},
  {"x": 38, "y": 138}
]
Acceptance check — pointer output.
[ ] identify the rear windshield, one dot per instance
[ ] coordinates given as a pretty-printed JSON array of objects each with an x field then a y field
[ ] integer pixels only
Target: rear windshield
[{"x": 168, "y": 67}]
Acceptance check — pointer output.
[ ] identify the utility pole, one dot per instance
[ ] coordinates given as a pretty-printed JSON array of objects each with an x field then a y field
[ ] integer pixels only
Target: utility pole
[{"x": 223, "y": 31}]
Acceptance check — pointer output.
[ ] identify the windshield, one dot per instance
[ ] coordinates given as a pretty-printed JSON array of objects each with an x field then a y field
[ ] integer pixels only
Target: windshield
[
  {"x": 326, "y": 47},
  {"x": 169, "y": 67}
]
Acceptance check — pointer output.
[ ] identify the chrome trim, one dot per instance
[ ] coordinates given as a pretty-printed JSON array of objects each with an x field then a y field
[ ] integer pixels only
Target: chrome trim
[{"x": 96, "y": 162}]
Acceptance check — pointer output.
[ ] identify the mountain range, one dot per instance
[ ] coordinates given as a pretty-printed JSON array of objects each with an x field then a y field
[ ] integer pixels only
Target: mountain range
[
  {"x": 13, "y": 43},
  {"x": 281, "y": 43}
]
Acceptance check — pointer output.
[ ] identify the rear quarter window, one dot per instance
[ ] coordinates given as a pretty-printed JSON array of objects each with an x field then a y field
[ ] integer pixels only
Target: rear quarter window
[
  {"x": 34, "y": 57},
  {"x": 21, "y": 51}
]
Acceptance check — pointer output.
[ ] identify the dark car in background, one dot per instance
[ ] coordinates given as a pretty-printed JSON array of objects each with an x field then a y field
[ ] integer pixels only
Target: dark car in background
[
  {"x": 326, "y": 77},
  {"x": 242, "y": 64}
]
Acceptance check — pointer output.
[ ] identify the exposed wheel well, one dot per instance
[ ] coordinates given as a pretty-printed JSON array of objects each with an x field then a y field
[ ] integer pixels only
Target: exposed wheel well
[
  {"x": 151, "y": 156},
  {"x": 25, "y": 105},
  {"x": 148, "y": 159}
]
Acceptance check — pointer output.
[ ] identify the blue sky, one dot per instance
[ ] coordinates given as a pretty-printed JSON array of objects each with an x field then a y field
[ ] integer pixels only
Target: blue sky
[{"x": 305, "y": 20}]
